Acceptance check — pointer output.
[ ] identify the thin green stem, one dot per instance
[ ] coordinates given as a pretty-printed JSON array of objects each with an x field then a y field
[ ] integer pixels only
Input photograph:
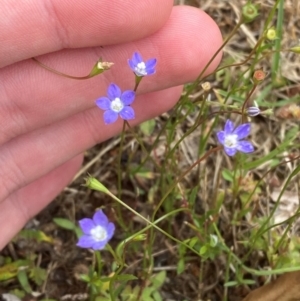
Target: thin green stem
[
  {"x": 99, "y": 262},
  {"x": 276, "y": 57}
]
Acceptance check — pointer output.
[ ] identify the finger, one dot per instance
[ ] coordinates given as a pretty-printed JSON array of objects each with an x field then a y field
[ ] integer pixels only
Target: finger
[
  {"x": 31, "y": 156},
  {"x": 182, "y": 47},
  {"x": 38, "y": 27},
  {"x": 28, "y": 201}
]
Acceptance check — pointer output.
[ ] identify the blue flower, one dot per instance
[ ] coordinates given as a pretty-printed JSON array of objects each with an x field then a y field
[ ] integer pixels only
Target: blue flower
[
  {"x": 116, "y": 103},
  {"x": 96, "y": 232},
  {"x": 141, "y": 68},
  {"x": 231, "y": 138}
]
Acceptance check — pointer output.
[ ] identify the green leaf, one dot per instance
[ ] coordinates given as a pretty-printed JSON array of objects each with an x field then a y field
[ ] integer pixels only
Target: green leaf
[
  {"x": 203, "y": 250},
  {"x": 156, "y": 296},
  {"x": 64, "y": 223},
  {"x": 193, "y": 241},
  {"x": 193, "y": 195},
  {"x": 213, "y": 240},
  {"x": 148, "y": 127},
  {"x": 230, "y": 283},
  {"x": 23, "y": 279},
  {"x": 227, "y": 175},
  {"x": 248, "y": 281},
  {"x": 146, "y": 294},
  {"x": 31, "y": 234},
  {"x": 38, "y": 275},
  {"x": 159, "y": 279},
  {"x": 10, "y": 270},
  {"x": 180, "y": 266},
  {"x": 125, "y": 277}
]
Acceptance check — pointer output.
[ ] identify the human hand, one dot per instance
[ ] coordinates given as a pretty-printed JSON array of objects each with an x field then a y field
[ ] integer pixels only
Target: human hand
[{"x": 48, "y": 121}]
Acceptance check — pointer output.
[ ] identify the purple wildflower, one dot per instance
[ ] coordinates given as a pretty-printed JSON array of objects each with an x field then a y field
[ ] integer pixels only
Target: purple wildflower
[
  {"x": 140, "y": 67},
  {"x": 231, "y": 138},
  {"x": 96, "y": 232},
  {"x": 116, "y": 103}
]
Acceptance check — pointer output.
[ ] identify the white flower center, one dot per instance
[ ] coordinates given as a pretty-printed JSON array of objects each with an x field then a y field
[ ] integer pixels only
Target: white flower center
[
  {"x": 231, "y": 140},
  {"x": 140, "y": 69},
  {"x": 98, "y": 233},
  {"x": 117, "y": 105}
]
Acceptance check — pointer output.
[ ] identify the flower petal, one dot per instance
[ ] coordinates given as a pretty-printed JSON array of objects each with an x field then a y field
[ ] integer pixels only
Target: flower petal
[
  {"x": 113, "y": 91},
  {"x": 110, "y": 230},
  {"x": 128, "y": 97},
  {"x": 100, "y": 219},
  {"x": 99, "y": 245},
  {"x": 150, "y": 64},
  {"x": 85, "y": 241},
  {"x": 150, "y": 71},
  {"x": 131, "y": 64},
  {"x": 230, "y": 151},
  {"x": 110, "y": 116},
  {"x": 86, "y": 225},
  {"x": 127, "y": 113},
  {"x": 242, "y": 130},
  {"x": 245, "y": 147},
  {"x": 103, "y": 103},
  {"x": 229, "y": 127},
  {"x": 221, "y": 137},
  {"x": 137, "y": 58}
]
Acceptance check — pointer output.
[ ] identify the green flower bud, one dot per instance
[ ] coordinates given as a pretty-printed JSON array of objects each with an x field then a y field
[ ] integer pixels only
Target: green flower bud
[
  {"x": 295, "y": 49},
  {"x": 271, "y": 34},
  {"x": 94, "y": 184},
  {"x": 139, "y": 237},
  {"x": 249, "y": 12}
]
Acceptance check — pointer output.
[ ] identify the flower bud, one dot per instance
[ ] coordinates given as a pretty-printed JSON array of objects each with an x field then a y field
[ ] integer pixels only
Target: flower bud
[
  {"x": 94, "y": 184},
  {"x": 206, "y": 86},
  {"x": 253, "y": 111},
  {"x": 100, "y": 67},
  {"x": 249, "y": 12},
  {"x": 258, "y": 76},
  {"x": 271, "y": 34},
  {"x": 139, "y": 237},
  {"x": 295, "y": 49}
]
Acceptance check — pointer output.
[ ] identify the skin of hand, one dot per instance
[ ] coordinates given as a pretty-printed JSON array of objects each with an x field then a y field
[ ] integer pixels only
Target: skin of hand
[{"x": 48, "y": 121}]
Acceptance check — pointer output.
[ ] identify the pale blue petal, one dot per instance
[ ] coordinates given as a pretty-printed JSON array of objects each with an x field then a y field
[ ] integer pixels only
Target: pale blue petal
[
  {"x": 245, "y": 147},
  {"x": 242, "y": 130},
  {"x": 127, "y": 113},
  {"x": 113, "y": 91},
  {"x": 99, "y": 245},
  {"x": 221, "y": 137},
  {"x": 150, "y": 64},
  {"x": 131, "y": 64},
  {"x": 110, "y": 230},
  {"x": 150, "y": 71},
  {"x": 85, "y": 242},
  {"x": 103, "y": 103},
  {"x": 128, "y": 97},
  {"x": 86, "y": 225},
  {"x": 110, "y": 116},
  {"x": 136, "y": 58},
  {"x": 100, "y": 219},
  {"x": 229, "y": 127},
  {"x": 230, "y": 151}
]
